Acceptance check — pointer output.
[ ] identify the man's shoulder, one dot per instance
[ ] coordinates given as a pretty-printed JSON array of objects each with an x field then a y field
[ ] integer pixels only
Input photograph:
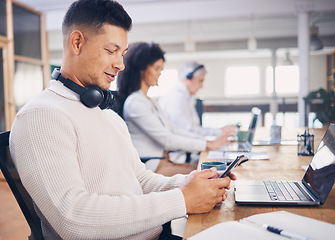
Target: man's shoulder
[
  {"x": 46, "y": 100},
  {"x": 38, "y": 101}
]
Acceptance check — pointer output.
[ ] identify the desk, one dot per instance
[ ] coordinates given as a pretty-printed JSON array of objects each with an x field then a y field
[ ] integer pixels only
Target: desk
[{"x": 283, "y": 164}]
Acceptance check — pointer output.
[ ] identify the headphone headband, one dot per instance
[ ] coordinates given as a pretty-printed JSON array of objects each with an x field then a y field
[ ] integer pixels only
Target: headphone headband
[
  {"x": 190, "y": 75},
  {"x": 91, "y": 96},
  {"x": 67, "y": 82}
]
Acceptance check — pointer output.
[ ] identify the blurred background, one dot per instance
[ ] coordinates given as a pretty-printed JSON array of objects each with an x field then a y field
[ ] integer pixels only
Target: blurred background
[{"x": 264, "y": 53}]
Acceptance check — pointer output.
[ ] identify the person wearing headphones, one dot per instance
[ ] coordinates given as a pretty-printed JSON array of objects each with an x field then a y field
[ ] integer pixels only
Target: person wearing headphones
[
  {"x": 75, "y": 157},
  {"x": 179, "y": 106},
  {"x": 151, "y": 132}
]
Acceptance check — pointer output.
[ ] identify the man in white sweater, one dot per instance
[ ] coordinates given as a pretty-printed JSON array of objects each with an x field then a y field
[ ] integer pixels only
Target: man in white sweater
[{"x": 77, "y": 160}]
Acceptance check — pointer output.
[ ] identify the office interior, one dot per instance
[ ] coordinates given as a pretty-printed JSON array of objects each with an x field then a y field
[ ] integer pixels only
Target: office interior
[
  {"x": 240, "y": 42},
  {"x": 230, "y": 37}
]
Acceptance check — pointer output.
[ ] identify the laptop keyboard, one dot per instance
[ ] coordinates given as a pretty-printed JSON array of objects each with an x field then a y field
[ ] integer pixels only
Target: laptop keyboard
[{"x": 285, "y": 190}]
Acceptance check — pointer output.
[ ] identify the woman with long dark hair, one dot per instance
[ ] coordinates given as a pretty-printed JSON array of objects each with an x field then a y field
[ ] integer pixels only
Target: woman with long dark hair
[{"x": 151, "y": 132}]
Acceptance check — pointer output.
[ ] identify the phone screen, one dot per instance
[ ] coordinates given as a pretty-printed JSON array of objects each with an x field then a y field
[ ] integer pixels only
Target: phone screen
[{"x": 231, "y": 166}]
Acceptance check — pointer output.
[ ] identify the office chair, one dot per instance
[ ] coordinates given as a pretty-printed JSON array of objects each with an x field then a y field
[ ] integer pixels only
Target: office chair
[
  {"x": 117, "y": 104},
  {"x": 21, "y": 195}
]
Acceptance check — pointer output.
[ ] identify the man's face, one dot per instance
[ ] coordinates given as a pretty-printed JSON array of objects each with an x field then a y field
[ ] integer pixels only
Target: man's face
[
  {"x": 196, "y": 82},
  {"x": 101, "y": 56}
]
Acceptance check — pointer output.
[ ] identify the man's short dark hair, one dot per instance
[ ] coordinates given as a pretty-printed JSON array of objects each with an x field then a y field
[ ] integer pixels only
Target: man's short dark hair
[{"x": 95, "y": 13}]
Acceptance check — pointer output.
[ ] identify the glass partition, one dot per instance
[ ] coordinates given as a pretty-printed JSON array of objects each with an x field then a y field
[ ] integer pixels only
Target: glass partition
[
  {"x": 27, "y": 33},
  {"x": 28, "y": 81}
]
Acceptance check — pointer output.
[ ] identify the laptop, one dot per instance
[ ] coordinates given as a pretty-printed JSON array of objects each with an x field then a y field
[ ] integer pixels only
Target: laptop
[
  {"x": 247, "y": 145},
  {"x": 313, "y": 189}
]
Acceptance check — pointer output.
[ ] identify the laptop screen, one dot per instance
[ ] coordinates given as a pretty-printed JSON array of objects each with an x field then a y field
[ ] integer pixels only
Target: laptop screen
[
  {"x": 320, "y": 175},
  {"x": 252, "y": 126}
]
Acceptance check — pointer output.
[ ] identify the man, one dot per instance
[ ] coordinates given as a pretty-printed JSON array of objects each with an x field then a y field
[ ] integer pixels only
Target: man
[
  {"x": 179, "y": 106},
  {"x": 77, "y": 161}
]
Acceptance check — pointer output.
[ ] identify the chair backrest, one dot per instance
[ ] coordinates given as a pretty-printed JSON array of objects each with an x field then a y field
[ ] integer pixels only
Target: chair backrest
[
  {"x": 199, "y": 106},
  {"x": 21, "y": 195},
  {"x": 117, "y": 104}
]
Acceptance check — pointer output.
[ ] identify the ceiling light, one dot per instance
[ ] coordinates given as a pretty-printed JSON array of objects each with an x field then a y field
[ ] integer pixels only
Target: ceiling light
[
  {"x": 252, "y": 44},
  {"x": 189, "y": 44},
  {"x": 315, "y": 42},
  {"x": 287, "y": 61}
]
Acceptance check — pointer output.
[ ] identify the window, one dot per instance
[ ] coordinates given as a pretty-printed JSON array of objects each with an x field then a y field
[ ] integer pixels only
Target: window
[
  {"x": 287, "y": 80},
  {"x": 28, "y": 81},
  {"x": 27, "y": 33},
  {"x": 282, "y": 119},
  {"x": 167, "y": 80},
  {"x": 28, "y": 57},
  {"x": 241, "y": 81},
  {"x": 218, "y": 120}
]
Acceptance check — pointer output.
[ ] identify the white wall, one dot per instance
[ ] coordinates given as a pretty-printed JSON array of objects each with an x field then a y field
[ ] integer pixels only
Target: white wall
[{"x": 214, "y": 84}]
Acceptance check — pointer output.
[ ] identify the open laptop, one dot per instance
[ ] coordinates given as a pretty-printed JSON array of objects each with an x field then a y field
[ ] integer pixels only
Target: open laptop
[
  {"x": 313, "y": 189},
  {"x": 247, "y": 145}
]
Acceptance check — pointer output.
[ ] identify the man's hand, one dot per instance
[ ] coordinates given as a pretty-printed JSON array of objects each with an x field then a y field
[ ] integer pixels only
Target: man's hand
[{"x": 203, "y": 189}]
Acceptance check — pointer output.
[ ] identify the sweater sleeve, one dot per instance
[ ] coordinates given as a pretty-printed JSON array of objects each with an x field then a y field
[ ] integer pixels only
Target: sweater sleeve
[
  {"x": 50, "y": 171},
  {"x": 140, "y": 112}
]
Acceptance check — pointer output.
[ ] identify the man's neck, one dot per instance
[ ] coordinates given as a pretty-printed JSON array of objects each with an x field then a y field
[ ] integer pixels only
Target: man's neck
[{"x": 186, "y": 83}]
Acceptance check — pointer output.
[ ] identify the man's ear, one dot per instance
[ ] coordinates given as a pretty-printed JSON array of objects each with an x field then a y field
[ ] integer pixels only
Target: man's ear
[{"x": 76, "y": 42}]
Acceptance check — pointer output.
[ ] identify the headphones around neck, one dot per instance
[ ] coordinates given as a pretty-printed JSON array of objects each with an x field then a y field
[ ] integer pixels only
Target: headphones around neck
[
  {"x": 190, "y": 75},
  {"x": 91, "y": 96}
]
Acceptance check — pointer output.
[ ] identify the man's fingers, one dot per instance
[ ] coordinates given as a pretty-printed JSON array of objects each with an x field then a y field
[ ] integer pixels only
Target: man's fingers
[
  {"x": 232, "y": 176},
  {"x": 221, "y": 182},
  {"x": 222, "y": 195}
]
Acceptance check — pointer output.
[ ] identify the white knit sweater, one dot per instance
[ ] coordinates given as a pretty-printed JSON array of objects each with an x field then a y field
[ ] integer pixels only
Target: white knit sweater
[{"x": 83, "y": 173}]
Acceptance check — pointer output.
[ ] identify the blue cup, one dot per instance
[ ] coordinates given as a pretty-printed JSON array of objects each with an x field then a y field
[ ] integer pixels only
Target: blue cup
[{"x": 219, "y": 165}]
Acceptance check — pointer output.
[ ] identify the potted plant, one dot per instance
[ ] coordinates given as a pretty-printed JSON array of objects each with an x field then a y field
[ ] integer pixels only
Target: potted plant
[{"x": 325, "y": 111}]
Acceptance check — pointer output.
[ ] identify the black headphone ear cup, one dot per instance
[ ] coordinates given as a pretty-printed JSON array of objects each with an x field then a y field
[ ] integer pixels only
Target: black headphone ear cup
[
  {"x": 189, "y": 75},
  {"x": 92, "y": 97},
  {"x": 108, "y": 100}
]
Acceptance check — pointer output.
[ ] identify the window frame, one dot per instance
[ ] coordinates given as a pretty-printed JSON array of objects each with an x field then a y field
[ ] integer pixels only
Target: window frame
[{"x": 9, "y": 58}]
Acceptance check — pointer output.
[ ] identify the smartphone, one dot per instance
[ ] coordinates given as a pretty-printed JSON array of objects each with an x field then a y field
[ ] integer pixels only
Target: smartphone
[{"x": 231, "y": 166}]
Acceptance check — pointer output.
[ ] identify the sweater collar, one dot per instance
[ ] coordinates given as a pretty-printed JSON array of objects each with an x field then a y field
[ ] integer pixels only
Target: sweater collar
[{"x": 58, "y": 88}]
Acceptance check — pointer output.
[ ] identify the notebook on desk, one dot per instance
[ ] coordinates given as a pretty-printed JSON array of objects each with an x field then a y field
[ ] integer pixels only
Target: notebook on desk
[
  {"x": 313, "y": 189},
  {"x": 247, "y": 145},
  {"x": 251, "y": 227}
]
